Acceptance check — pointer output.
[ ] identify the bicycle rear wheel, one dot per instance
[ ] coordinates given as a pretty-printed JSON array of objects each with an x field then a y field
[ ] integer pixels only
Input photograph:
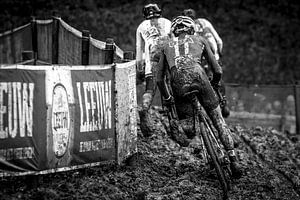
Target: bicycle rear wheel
[{"x": 205, "y": 131}]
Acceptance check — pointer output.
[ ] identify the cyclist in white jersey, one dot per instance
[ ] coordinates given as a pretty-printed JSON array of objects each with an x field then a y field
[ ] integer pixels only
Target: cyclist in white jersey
[
  {"x": 206, "y": 29},
  {"x": 148, "y": 35}
]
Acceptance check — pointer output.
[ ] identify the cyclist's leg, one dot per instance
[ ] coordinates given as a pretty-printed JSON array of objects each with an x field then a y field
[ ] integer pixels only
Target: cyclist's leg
[
  {"x": 145, "y": 118},
  {"x": 210, "y": 103},
  {"x": 224, "y": 107},
  {"x": 182, "y": 130},
  {"x": 150, "y": 76},
  {"x": 226, "y": 139}
]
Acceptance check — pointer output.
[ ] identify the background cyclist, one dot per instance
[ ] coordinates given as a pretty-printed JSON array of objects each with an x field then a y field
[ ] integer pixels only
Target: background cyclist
[
  {"x": 148, "y": 36},
  {"x": 205, "y": 28}
]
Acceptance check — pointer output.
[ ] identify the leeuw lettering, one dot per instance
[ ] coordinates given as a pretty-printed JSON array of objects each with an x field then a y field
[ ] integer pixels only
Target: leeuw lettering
[
  {"x": 16, "y": 108},
  {"x": 95, "y": 105}
]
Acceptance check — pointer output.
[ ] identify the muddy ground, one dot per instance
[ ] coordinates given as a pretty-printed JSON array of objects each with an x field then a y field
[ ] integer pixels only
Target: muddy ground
[{"x": 164, "y": 170}]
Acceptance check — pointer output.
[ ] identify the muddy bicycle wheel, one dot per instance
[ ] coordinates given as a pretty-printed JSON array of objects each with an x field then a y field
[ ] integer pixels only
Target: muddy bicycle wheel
[
  {"x": 213, "y": 155},
  {"x": 222, "y": 158}
]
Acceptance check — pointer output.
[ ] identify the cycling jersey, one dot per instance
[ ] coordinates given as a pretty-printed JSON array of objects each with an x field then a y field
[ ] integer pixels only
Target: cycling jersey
[
  {"x": 182, "y": 57},
  {"x": 147, "y": 38},
  {"x": 187, "y": 52}
]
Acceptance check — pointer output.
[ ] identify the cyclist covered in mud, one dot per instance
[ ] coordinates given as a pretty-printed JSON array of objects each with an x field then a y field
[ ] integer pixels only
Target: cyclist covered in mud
[
  {"x": 205, "y": 29},
  {"x": 148, "y": 36},
  {"x": 181, "y": 58}
]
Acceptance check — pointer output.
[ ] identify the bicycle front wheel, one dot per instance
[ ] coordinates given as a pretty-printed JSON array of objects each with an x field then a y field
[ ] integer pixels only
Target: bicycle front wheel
[{"x": 205, "y": 131}]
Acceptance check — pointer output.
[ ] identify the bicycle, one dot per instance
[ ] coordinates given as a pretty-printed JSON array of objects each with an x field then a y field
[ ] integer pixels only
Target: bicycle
[{"x": 213, "y": 150}]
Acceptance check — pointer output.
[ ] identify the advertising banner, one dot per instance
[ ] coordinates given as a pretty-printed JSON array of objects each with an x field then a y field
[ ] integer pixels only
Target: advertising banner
[
  {"x": 94, "y": 124},
  {"x": 22, "y": 119},
  {"x": 55, "y": 119}
]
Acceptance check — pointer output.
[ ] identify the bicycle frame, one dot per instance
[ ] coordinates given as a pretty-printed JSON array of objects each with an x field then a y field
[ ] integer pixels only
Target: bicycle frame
[{"x": 212, "y": 147}]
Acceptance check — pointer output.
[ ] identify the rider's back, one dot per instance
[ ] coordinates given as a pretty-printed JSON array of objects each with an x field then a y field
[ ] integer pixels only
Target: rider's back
[
  {"x": 147, "y": 37},
  {"x": 184, "y": 52},
  {"x": 153, "y": 28},
  {"x": 183, "y": 56}
]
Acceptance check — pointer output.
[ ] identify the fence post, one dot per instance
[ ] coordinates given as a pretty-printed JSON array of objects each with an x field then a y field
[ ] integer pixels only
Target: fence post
[
  {"x": 12, "y": 44},
  {"x": 128, "y": 56},
  {"x": 297, "y": 105},
  {"x": 34, "y": 39},
  {"x": 85, "y": 41},
  {"x": 109, "y": 51},
  {"x": 55, "y": 38},
  {"x": 109, "y": 59}
]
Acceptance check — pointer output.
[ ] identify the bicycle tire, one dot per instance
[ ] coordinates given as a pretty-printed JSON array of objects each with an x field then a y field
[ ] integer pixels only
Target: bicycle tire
[{"x": 212, "y": 153}]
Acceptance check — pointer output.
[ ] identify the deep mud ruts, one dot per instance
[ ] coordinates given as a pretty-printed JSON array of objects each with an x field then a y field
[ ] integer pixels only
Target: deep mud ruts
[{"x": 163, "y": 170}]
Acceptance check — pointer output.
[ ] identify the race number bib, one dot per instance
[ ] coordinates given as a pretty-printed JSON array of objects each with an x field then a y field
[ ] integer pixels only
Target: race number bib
[{"x": 151, "y": 32}]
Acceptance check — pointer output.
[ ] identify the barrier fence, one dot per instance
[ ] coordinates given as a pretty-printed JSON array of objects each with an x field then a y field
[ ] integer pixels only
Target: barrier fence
[
  {"x": 64, "y": 117},
  {"x": 53, "y": 41},
  {"x": 78, "y": 113}
]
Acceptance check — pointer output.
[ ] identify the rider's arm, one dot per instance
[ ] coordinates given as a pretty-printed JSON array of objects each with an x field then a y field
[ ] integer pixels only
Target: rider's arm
[
  {"x": 216, "y": 68},
  {"x": 161, "y": 71},
  {"x": 215, "y": 34},
  {"x": 140, "y": 43}
]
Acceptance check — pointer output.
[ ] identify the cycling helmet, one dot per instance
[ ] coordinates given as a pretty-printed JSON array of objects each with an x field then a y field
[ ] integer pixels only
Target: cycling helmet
[
  {"x": 190, "y": 13},
  {"x": 151, "y": 11},
  {"x": 183, "y": 24}
]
